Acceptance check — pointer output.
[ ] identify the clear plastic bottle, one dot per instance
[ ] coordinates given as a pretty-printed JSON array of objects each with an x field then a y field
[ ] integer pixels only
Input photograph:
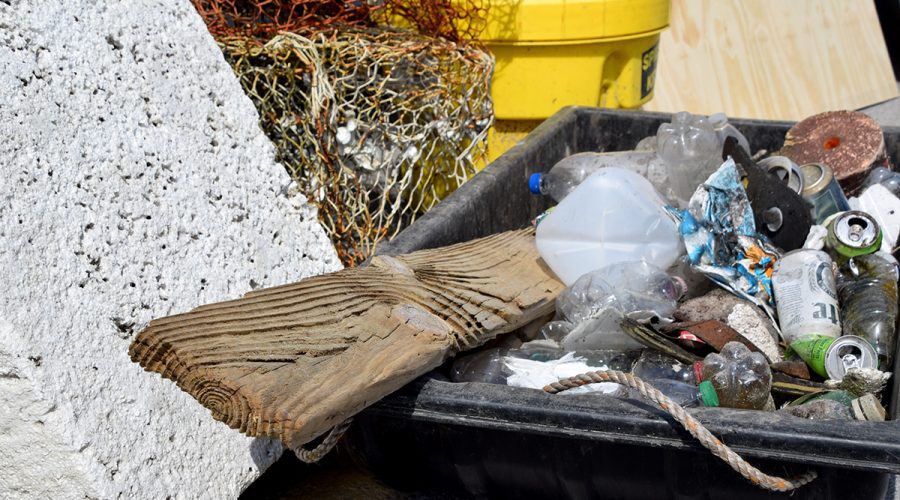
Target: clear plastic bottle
[
  {"x": 483, "y": 366},
  {"x": 886, "y": 177},
  {"x": 614, "y": 216},
  {"x": 556, "y": 330},
  {"x": 591, "y": 310},
  {"x": 572, "y": 170},
  {"x": 686, "y": 395},
  {"x": 622, "y": 361},
  {"x": 724, "y": 129},
  {"x": 627, "y": 286},
  {"x": 538, "y": 350},
  {"x": 603, "y": 331},
  {"x": 692, "y": 151},
  {"x": 867, "y": 288},
  {"x": 741, "y": 378},
  {"x": 654, "y": 365}
]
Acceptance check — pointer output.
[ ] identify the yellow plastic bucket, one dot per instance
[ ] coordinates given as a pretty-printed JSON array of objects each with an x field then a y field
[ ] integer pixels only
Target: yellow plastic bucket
[{"x": 556, "y": 53}]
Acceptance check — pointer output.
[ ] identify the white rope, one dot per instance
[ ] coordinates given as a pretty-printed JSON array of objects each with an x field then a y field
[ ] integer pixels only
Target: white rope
[{"x": 710, "y": 442}]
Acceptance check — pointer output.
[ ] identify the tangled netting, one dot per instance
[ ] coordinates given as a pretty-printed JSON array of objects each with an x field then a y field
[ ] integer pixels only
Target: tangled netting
[
  {"x": 454, "y": 20},
  {"x": 374, "y": 124}
]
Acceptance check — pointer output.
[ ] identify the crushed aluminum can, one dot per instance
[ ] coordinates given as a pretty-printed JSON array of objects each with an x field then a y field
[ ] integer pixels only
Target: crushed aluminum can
[{"x": 806, "y": 295}]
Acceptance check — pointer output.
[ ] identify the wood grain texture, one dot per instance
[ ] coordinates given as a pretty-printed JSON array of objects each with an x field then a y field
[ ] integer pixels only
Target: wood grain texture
[
  {"x": 772, "y": 59},
  {"x": 290, "y": 362}
]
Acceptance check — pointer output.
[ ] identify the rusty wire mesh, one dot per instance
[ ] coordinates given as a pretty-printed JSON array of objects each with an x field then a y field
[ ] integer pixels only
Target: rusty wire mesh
[
  {"x": 262, "y": 19},
  {"x": 374, "y": 124},
  {"x": 454, "y": 20}
]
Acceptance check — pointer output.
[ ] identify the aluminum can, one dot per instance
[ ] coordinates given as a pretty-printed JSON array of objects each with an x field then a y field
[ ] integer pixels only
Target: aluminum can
[
  {"x": 854, "y": 233},
  {"x": 822, "y": 190},
  {"x": 849, "y": 352},
  {"x": 806, "y": 295}
]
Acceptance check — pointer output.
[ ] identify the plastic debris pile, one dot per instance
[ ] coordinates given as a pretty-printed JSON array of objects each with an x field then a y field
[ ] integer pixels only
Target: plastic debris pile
[
  {"x": 740, "y": 280},
  {"x": 375, "y": 124}
]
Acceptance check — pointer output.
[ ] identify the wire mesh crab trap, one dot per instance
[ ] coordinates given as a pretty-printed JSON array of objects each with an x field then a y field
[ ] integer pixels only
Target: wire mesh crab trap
[{"x": 375, "y": 124}]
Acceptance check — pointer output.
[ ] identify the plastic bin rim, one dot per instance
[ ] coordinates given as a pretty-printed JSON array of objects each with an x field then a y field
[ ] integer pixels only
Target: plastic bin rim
[
  {"x": 539, "y": 20},
  {"x": 515, "y": 42}
]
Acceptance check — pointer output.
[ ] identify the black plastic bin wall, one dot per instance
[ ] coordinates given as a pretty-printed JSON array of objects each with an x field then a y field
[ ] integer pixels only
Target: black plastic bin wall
[{"x": 501, "y": 442}]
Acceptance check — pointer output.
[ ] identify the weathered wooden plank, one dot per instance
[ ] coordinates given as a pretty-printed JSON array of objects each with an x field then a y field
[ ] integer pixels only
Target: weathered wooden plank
[{"x": 290, "y": 362}]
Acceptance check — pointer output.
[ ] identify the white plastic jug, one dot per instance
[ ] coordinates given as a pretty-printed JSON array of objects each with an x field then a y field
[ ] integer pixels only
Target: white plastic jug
[{"x": 613, "y": 216}]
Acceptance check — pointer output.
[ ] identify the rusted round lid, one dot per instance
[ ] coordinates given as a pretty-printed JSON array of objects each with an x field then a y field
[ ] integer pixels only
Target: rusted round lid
[{"x": 849, "y": 142}]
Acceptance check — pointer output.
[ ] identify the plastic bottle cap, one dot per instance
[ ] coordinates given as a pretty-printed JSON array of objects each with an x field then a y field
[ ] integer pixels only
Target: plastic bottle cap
[
  {"x": 534, "y": 183},
  {"x": 708, "y": 394}
]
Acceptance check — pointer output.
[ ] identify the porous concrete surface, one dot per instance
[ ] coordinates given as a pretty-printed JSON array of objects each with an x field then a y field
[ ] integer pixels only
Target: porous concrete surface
[{"x": 135, "y": 184}]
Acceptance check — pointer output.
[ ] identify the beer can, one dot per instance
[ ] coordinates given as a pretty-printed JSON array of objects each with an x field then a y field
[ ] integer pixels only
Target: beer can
[
  {"x": 849, "y": 352},
  {"x": 854, "y": 233},
  {"x": 833, "y": 357},
  {"x": 806, "y": 295},
  {"x": 822, "y": 190}
]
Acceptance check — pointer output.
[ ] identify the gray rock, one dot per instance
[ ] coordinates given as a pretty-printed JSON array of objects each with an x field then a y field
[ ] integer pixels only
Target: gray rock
[{"x": 742, "y": 315}]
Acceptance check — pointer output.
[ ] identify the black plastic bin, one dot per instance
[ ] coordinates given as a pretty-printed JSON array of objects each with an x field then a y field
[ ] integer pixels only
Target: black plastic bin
[{"x": 498, "y": 441}]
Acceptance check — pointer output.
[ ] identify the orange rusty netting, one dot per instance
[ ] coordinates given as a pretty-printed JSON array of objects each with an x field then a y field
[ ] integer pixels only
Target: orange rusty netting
[
  {"x": 264, "y": 18},
  {"x": 454, "y": 20}
]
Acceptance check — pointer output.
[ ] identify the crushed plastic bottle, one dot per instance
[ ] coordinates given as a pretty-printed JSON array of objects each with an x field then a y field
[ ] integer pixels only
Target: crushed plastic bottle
[
  {"x": 591, "y": 310},
  {"x": 603, "y": 331},
  {"x": 741, "y": 378},
  {"x": 614, "y": 216},
  {"x": 867, "y": 286},
  {"x": 692, "y": 150},
  {"x": 886, "y": 177},
  {"x": 627, "y": 286},
  {"x": 654, "y": 365},
  {"x": 572, "y": 170}
]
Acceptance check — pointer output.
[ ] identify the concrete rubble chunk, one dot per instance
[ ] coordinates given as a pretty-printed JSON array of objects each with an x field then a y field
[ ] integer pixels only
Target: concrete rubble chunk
[{"x": 134, "y": 184}]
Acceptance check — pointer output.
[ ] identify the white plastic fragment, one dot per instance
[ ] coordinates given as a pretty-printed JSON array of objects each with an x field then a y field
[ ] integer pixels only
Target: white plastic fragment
[
  {"x": 537, "y": 374},
  {"x": 881, "y": 204}
]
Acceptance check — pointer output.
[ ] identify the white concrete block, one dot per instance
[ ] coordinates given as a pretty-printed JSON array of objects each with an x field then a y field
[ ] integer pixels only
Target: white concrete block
[{"x": 134, "y": 183}]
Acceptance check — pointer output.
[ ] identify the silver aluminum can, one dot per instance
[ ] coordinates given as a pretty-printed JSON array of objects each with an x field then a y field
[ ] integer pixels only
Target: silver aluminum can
[
  {"x": 849, "y": 352},
  {"x": 806, "y": 295},
  {"x": 822, "y": 190}
]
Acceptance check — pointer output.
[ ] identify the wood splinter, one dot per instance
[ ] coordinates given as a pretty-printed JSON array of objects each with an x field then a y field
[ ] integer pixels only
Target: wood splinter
[{"x": 293, "y": 361}]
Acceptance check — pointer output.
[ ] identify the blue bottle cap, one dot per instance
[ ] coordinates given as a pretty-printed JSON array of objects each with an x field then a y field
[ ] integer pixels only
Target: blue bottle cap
[{"x": 534, "y": 183}]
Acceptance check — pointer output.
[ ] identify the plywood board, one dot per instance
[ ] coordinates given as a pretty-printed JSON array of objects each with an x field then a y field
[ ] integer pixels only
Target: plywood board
[{"x": 772, "y": 59}]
